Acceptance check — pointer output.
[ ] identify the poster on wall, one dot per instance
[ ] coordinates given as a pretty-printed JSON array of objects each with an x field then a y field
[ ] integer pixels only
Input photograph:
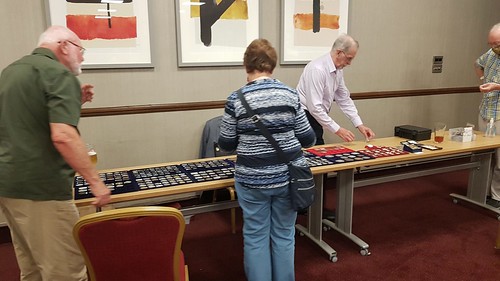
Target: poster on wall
[
  {"x": 215, "y": 32},
  {"x": 309, "y": 28},
  {"x": 115, "y": 33}
]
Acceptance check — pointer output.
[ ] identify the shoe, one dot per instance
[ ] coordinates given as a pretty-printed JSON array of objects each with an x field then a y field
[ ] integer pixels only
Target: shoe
[
  {"x": 329, "y": 215},
  {"x": 492, "y": 202}
]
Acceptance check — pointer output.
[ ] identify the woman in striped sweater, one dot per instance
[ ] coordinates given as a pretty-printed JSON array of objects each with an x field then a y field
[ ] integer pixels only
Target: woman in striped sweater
[{"x": 261, "y": 178}]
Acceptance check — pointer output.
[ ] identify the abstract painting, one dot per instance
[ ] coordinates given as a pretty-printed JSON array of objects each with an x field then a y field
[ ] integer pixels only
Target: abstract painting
[
  {"x": 309, "y": 28},
  {"x": 215, "y": 32},
  {"x": 114, "y": 32}
]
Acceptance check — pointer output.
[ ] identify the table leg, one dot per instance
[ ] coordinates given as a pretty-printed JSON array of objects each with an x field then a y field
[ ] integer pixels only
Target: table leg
[
  {"x": 343, "y": 218},
  {"x": 314, "y": 216},
  {"x": 479, "y": 182}
]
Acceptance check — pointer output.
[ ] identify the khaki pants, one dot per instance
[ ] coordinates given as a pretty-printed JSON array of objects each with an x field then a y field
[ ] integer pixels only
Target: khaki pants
[{"x": 43, "y": 239}]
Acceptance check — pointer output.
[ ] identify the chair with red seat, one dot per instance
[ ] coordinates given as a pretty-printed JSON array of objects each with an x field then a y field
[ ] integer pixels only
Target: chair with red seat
[{"x": 136, "y": 243}]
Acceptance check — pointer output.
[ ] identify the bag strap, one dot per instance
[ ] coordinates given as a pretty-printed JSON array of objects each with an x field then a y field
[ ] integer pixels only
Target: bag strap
[{"x": 263, "y": 129}]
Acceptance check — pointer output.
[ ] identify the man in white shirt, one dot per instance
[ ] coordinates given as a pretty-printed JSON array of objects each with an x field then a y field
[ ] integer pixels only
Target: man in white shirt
[{"x": 322, "y": 83}]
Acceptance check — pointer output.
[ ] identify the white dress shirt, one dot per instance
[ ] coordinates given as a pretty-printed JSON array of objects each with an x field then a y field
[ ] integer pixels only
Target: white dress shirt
[{"x": 321, "y": 84}]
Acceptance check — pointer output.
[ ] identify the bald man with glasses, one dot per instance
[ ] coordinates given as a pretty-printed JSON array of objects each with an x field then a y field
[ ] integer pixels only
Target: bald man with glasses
[{"x": 40, "y": 150}]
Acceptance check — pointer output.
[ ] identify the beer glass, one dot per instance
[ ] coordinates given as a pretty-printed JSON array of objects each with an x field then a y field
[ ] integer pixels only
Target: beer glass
[
  {"x": 439, "y": 131},
  {"x": 92, "y": 153}
]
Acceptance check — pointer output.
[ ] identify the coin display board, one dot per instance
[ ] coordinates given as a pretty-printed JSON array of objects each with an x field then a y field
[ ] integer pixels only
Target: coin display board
[
  {"x": 333, "y": 155},
  {"x": 158, "y": 177},
  {"x": 194, "y": 172},
  {"x": 382, "y": 151}
]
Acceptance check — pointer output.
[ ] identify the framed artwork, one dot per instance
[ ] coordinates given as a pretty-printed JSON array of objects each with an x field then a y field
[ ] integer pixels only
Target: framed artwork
[
  {"x": 309, "y": 28},
  {"x": 115, "y": 33},
  {"x": 216, "y": 32}
]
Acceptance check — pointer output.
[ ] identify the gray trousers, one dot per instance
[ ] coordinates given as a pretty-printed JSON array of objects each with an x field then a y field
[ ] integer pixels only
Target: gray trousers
[{"x": 495, "y": 181}]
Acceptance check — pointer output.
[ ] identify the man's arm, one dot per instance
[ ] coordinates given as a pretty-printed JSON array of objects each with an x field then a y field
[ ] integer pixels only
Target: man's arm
[
  {"x": 486, "y": 87},
  {"x": 346, "y": 104},
  {"x": 68, "y": 142},
  {"x": 479, "y": 70},
  {"x": 489, "y": 87}
]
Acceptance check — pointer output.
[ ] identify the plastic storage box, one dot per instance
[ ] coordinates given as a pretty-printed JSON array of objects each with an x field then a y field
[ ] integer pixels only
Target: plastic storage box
[{"x": 461, "y": 134}]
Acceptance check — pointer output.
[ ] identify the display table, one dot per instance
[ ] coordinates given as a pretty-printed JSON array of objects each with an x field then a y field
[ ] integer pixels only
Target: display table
[{"x": 477, "y": 155}]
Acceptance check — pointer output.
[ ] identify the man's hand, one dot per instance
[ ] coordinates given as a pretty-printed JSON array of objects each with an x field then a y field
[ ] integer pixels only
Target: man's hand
[
  {"x": 488, "y": 87},
  {"x": 367, "y": 132},
  {"x": 346, "y": 135},
  {"x": 101, "y": 193},
  {"x": 87, "y": 93}
]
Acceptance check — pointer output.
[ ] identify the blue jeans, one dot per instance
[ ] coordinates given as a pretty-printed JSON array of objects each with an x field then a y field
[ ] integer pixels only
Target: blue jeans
[{"x": 268, "y": 233}]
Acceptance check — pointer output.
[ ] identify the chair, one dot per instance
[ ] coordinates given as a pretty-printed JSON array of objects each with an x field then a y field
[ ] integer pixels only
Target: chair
[
  {"x": 135, "y": 243},
  {"x": 210, "y": 148}
]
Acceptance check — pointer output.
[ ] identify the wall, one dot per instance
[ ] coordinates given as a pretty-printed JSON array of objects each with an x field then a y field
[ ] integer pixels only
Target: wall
[{"x": 397, "y": 41}]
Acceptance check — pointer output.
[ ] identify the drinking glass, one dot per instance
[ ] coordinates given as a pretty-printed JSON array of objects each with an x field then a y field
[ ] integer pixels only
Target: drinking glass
[
  {"x": 439, "y": 131},
  {"x": 92, "y": 153}
]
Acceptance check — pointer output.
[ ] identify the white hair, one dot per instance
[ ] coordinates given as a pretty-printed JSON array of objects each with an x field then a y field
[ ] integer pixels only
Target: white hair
[
  {"x": 495, "y": 27},
  {"x": 344, "y": 42},
  {"x": 55, "y": 34}
]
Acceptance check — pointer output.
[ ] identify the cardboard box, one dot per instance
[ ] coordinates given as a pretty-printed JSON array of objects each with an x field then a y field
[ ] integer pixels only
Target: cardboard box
[{"x": 412, "y": 132}]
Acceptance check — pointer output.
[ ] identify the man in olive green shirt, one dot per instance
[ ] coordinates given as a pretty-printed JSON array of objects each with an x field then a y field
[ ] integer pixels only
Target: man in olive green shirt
[{"x": 40, "y": 149}]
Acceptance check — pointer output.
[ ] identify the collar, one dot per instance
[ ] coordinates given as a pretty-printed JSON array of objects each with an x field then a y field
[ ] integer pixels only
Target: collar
[
  {"x": 260, "y": 80},
  {"x": 45, "y": 52},
  {"x": 331, "y": 66}
]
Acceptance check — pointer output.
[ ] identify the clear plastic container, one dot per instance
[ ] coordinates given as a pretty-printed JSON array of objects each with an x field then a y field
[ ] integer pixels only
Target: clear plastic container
[{"x": 490, "y": 129}]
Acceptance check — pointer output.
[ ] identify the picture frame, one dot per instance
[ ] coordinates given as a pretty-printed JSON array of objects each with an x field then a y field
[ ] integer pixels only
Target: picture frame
[
  {"x": 119, "y": 37},
  {"x": 304, "y": 36},
  {"x": 221, "y": 38}
]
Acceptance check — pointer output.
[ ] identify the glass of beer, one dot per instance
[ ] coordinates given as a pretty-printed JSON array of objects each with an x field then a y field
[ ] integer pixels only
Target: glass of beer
[
  {"x": 439, "y": 132},
  {"x": 92, "y": 153}
]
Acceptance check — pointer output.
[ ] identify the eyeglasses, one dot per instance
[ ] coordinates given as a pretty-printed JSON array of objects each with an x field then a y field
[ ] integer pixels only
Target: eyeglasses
[
  {"x": 348, "y": 58},
  {"x": 82, "y": 49}
]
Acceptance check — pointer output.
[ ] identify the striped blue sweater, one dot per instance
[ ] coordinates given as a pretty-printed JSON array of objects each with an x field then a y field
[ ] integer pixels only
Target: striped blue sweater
[{"x": 258, "y": 164}]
